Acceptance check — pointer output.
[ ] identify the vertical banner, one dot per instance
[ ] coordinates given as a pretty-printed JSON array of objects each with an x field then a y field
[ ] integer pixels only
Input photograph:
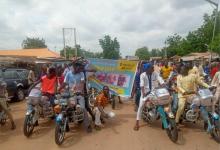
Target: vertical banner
[{"x": 118, "y": 75}]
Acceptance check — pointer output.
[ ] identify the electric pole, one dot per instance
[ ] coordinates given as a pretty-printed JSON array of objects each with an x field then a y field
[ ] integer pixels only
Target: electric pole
[
  {"x": 75, "y": 42},
  {"x": 64, "y": 44}
]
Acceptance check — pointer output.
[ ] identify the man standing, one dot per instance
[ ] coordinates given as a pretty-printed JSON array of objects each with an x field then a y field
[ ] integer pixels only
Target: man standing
[
  {"x": 149, "y": 80},
  {"x": 165, "y": 71},
  {"x": 3, "y": 103},
  {"x": 31, "y": 76}
]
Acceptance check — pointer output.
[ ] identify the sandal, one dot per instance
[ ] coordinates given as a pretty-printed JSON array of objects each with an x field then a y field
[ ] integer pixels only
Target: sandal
[{"x": 136, "y": 128}]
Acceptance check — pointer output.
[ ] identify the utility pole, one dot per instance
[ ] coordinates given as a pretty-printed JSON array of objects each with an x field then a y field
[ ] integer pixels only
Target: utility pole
[
  {"x": 64, "y": 44},
  {"x": 215, "y": 22},
  {"x": 74, "y": 29},
  {"x": 75, "y": 41}
]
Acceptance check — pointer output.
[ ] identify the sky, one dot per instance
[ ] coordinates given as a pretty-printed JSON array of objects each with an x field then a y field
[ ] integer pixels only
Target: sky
[{"x": 135, "y": 23}]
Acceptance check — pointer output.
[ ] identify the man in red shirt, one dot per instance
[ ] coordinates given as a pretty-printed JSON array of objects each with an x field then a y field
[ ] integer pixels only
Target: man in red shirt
[
  {"x": 49, "y": 84},
  {"x": 215, "y": 68}
]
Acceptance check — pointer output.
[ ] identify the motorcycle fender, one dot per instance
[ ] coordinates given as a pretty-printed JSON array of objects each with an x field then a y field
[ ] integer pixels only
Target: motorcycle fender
[
  {"x": 59, "y": 118},
  {"x": 163, "y": 116}
]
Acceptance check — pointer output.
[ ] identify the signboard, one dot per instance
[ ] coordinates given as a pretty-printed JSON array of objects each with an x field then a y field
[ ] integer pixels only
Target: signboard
[{"x": 118, "y": 75}]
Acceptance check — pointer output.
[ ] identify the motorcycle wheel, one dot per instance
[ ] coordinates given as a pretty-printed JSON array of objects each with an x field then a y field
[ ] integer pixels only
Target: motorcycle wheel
[
  {"x": 28, "y": 125},
  {"x": 172, "y": 130},
  {"x": 59, "y": 133},
  {"x": 216, "y": 131}
]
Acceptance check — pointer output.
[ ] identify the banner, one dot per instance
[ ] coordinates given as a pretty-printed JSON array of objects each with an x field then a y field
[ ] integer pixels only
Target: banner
[{"x": 118, "y": 75}]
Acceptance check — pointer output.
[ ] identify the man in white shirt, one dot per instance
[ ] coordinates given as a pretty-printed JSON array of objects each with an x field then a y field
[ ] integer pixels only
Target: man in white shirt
[{"x": 149, "y": 80}]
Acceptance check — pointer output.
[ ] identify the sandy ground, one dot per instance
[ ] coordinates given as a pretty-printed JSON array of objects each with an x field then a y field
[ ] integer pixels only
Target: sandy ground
[{"x": 118, "y": 134}]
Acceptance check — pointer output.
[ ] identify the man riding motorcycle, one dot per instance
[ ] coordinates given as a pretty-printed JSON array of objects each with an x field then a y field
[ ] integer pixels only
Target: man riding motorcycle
[
  {"x": 3, "y": 99},
  {"x": 75, "y": 80},
  {"x": 148, "y": 80},
  {"x": 49, "y": 85},
  {"x": 187, "y": 83}
]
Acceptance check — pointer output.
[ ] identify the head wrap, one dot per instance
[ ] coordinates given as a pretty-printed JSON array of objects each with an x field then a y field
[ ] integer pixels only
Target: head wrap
[{"x": 147, "y": 66}]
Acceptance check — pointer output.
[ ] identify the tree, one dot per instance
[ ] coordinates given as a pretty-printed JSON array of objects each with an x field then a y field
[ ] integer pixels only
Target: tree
[
  {"x": 33, "y": 43},
  {"x": 111, "y": 48},
  {"x": 197, "y": 40},
  {"x": 142, "y": 53},
  {"x": 215, "y": 45},
  {"x": 155, "y": 52},
  {"x": 70, "y": 52}
]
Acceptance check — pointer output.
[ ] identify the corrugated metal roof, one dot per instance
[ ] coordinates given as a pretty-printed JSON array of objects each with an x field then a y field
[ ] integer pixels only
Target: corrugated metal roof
[{"x": 39, "y": 53}]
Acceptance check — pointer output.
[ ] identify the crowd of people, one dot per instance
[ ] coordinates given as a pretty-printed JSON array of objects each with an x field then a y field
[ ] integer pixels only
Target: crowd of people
[{"x": 183, "y": 77}]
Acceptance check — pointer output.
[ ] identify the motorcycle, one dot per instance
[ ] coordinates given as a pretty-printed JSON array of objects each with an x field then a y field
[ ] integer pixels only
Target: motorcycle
[
  {"x": 67, "y": 111},
  {"x": 154, "y": 110},
  {"x": 200, "y": 105},
  {"x": 38, "y": 107}
]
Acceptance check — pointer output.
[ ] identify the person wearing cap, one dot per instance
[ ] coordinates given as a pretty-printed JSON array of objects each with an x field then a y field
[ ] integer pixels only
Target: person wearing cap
[
  {"x": 149, "y": 80},
  {"x": 3, "y": 103}
]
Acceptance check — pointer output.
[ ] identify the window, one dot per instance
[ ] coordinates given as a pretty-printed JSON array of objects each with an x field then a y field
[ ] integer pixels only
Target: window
[
  {"x": 23, "y": 74},
  {"x": 10, "y": 74},
  {"x": 1, "y": 74}
]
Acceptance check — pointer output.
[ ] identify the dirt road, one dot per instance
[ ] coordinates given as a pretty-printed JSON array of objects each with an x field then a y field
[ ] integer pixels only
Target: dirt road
[{"x": 118, "y": 134}]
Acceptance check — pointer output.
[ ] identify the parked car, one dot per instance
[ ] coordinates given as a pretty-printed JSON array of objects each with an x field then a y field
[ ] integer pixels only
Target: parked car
[{"x": 17, "y": 82}]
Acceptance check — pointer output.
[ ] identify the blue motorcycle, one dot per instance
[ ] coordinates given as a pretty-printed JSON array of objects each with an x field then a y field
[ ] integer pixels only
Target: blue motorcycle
[
  {"x": 67, "y": 111},
  {"x": 154, "y": 110}
]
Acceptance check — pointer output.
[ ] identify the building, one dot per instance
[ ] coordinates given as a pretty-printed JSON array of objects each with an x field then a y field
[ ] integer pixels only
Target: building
[
  {"x": 38, "y": 53},
  {"x": 200, "y": 56},
  {"x": 131, "y": 58}
]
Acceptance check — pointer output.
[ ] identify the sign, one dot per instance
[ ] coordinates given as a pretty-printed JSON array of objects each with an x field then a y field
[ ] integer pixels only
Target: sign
[{"x": 118, "y": 75}]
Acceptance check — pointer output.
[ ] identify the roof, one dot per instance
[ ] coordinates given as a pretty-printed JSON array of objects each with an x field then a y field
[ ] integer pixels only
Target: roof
[
  {"x": 196, "y": 56},
  {"x": 39, "y": 53}
]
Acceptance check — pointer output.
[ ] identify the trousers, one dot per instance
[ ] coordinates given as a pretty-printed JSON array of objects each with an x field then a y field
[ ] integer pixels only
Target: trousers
[{"x": 181, "y": 105}]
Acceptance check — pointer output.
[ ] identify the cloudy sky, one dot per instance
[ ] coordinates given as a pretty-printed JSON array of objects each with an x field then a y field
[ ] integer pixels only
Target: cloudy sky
[{"x": 135, "y": 23}]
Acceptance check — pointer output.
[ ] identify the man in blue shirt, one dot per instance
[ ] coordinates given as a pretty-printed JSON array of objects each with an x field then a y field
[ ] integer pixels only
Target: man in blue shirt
[{"x": 75, "y": 80}]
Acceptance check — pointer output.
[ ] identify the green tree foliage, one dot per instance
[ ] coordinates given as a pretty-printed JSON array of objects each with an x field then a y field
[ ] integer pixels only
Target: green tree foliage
[
  {"x": 155, "y": 52},
  {"x": 80, "y": 53},
  {"x": 111, "y": 48},
  {"x": 142, "y": 53},
  {"x": 196, "y": 41},
  {"x": 216, "y": 44},
  {"x": 33, "y": 43}
]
